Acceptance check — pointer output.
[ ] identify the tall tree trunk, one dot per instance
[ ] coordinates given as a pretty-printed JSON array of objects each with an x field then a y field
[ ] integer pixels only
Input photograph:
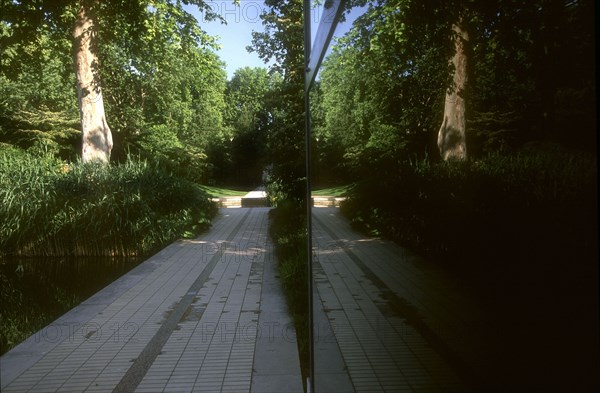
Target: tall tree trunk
[
  {"x": 96, "y": 135},
  {"x": 451, "y": 136}
]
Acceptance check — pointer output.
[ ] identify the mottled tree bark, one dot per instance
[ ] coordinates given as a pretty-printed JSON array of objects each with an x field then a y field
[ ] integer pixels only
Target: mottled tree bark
[
  {"x": 96, "y": 136},
  {"x": 451, "y": 136}
]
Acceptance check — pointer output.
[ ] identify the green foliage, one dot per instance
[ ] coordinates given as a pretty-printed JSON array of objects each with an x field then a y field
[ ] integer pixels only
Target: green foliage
[
  {"x": 526, "y": 56},
  {"x": 383, "y": 85},
  {"x": 41, "y": 131},
  {"x": 282, "y": 39},
  {"x": 38, "y": 105},
  {"x": 158, "y": 71},
  {"x": 52, "y": 208},
  {"x": 246, "y": 96},
  {"x": 248, "y": 116},
  {"x": 175, "y": 94}
]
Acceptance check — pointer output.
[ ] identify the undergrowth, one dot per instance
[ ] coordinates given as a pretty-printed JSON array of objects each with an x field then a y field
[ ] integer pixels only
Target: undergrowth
[
  {"x": 51, "y": 208},
  {"x": 503, "y": 212}
]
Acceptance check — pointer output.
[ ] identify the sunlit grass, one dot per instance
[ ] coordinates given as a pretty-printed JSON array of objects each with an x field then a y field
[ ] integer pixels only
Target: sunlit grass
[
  {"x": 339, "y": 191},
  {"x": 217, "y": 192}
]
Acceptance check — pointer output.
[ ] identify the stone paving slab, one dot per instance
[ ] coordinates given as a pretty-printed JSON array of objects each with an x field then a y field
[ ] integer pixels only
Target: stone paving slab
[{"x": 187, "y": 319}]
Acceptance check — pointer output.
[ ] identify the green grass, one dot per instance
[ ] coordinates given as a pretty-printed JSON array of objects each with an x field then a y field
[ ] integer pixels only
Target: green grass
[
  {"x": 216, "y": 192},
  {"x": 339, "y": 191}
]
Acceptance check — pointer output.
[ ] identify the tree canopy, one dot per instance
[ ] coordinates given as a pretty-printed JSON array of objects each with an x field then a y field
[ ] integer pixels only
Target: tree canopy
[
  {"x": 248, "y": 116},
  {"x": 162, "y": 82}
]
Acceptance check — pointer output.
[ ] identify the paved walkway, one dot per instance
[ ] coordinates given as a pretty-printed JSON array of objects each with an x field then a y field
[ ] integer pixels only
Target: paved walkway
[
  {"x": 208, "y": 315},
  {"x": 202, "y": 315},
  {"x": 386, "y": 321}
]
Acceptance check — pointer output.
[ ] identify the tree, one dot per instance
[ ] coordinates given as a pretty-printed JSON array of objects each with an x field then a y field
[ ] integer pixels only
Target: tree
[
  {"x": 452, "y": 134},
  {"x": 282, "y": 41},
  {"x": 179, "y": 111},
  {"x": 99, "y": 29},
  {"x": 97, "y": 139},
  {"x": 247, "y": 115}
]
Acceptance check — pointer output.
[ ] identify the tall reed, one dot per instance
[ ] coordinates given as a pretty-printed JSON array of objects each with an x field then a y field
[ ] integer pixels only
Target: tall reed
[{"x": 50, "y": 208}]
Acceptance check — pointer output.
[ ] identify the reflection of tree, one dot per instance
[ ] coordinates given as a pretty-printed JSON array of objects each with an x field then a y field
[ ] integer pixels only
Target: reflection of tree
[{"x": 383, "y": 85}]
